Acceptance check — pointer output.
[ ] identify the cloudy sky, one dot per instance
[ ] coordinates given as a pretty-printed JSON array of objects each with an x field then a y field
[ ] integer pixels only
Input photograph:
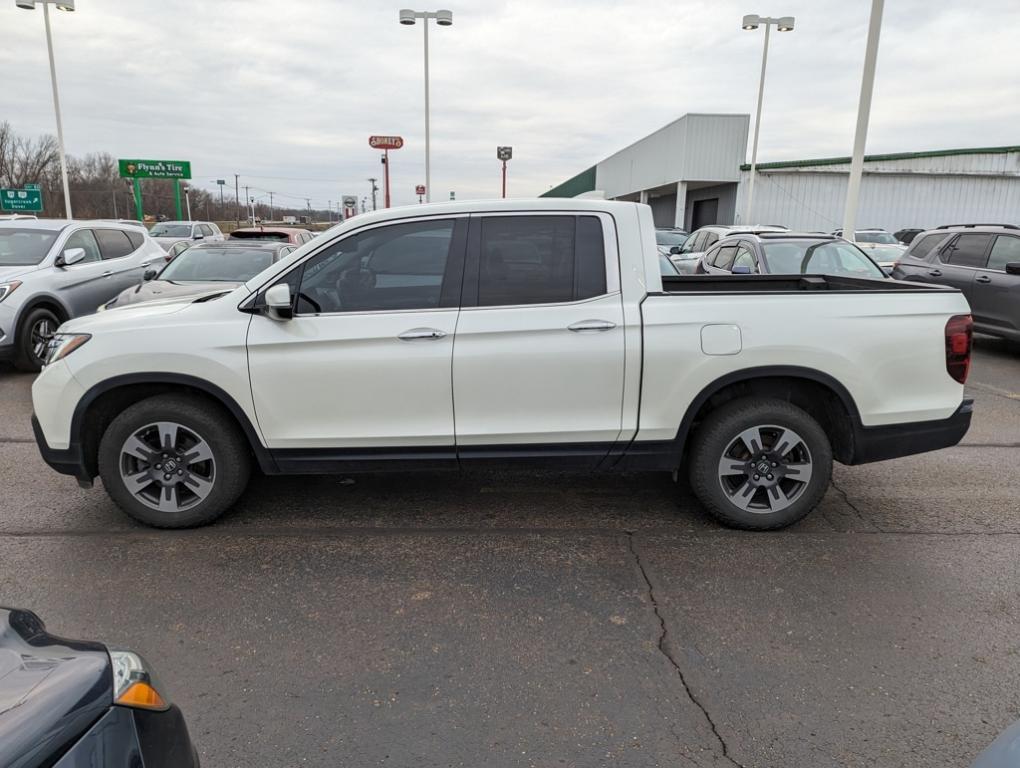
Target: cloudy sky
[{"x": 286, "y": 92}]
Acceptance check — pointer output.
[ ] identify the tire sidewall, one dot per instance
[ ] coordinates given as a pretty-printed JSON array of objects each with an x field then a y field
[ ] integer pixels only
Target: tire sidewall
[
  {"x": 26, "y": 359},
  {"x": 229, "y": 451},
  {"x": 719, "y": 430}
]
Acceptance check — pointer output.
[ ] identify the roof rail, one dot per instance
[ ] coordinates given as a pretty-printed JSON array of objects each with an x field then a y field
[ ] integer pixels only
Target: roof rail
[{"x": 961, "y": 226}]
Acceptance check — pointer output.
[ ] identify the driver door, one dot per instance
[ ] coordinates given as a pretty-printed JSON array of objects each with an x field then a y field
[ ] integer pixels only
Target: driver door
[
  {"x": 363, "y": 369},
  {"x": 85, "y": 285}
]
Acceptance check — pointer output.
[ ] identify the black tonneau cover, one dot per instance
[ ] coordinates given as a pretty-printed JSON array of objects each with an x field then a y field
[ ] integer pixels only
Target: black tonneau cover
[{"x": 789, "y": 284}]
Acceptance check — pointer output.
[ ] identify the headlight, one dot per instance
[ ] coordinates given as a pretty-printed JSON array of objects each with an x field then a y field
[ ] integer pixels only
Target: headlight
[
  {"x": 61, "y": 345},
  {"x": 133, "y": 682},
  {"x": 6, "y": 289}
]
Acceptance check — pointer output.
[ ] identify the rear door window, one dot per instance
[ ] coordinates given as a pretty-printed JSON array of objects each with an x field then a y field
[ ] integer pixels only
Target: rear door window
[
  {"x": 744, "y": 258},
  {"x": 924, "y": 246},
  {"x": 724, "y": 259},
  {"x": 1005, "y": 249},
  {"x": 113, "y": 243},
  {"x": 206, "y": 230},
  {"x": 967, "y": 251},
  {"x": 540, "y": 260},
  {"x": 136, "y": 238}
]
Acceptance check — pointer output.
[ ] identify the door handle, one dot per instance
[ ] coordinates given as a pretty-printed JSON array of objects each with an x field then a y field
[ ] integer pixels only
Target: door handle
[
  {"x": 591, "y": 325},
  {"x": 982, "y": 279},
  {"x": 936, "y": 273},
  {"x": 107, "y": 273},
  {"x": 422, "y": 334}
]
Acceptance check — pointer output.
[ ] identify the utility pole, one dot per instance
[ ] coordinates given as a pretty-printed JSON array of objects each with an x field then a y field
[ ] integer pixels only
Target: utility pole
[
  {"x": 308, "y": 202},
  {"x": 237, "y": 199},
  {"x": 270, "y": 206},
  {"x": 329, "y": 211},
  {"x": 374, "y": 190},
  {"x": 113, "y": 194},
  {"x": 249, "y": 206}
]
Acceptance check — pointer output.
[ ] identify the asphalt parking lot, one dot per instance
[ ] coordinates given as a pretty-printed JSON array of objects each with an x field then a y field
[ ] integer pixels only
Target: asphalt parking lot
[{"x": 547, "y": 620}]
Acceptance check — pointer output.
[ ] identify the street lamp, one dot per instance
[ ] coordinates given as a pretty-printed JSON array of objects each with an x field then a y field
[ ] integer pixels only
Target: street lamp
[
  {"x": 62, "y": 5},
  {"x": 443, "y": 19},
  {"x": 751, "y": 22}
]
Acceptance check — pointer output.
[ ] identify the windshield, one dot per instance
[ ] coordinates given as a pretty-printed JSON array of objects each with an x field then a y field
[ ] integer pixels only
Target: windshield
[
  {"x": 670, "y": 238},
  {"x": 235, "y": 265},
  {"x": 171, "y": 230},
  {"x": 875, "y": 237},
  {"x": 24, "y": 247},
  {"x": 819, "y": 258}
]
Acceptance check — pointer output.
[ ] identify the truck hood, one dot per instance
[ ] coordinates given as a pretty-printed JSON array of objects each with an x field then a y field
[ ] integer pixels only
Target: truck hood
[
  {"x": 167, "y": 290},
  {"x": 117, "y": 318},
  {"x": 51, "y": 689}
]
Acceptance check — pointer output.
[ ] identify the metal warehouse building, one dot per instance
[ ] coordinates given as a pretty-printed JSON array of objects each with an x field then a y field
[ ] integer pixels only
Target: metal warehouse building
[{"x": 692, "y": 173}]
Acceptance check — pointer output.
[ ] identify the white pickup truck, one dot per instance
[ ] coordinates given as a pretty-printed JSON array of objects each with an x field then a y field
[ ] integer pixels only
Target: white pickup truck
[{"x": 539, "y": 331}]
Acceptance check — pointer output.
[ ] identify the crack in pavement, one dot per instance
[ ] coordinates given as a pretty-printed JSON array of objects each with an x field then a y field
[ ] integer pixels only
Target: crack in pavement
[
  {"x": 665, "y": 651},
  {"x": 856, "y": 510}
]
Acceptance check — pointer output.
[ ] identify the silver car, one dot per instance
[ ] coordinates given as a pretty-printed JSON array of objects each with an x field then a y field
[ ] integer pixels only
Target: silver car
[
  {"x": 166, "y": 233},
  {"x": 52, "y": 270}
]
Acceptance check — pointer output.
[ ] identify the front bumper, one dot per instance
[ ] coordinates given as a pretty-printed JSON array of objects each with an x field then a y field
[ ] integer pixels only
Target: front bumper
[
  {"x": 66, "y": 461},
  {"x": 895, "y": 440},
  {"x": 125, "y": 738}
]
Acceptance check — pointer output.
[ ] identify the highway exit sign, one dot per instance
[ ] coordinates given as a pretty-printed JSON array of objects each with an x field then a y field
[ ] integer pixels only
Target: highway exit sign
[
  {"x": 21, "y": 200},
  {"x": 155, "y": 169}
]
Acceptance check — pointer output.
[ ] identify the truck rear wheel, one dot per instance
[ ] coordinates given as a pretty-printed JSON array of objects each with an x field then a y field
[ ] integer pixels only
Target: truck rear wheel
[
  {"x": 173, "y": 461},
  {"x": 760, "y": 464}
]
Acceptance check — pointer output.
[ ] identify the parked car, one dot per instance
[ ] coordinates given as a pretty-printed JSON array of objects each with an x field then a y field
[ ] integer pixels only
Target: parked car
[
  {"x": 52, "y": 270},
  {"x": 283, "y": 234},
  {"x": 982, "y": 260},
  {"x": 571, "y": 350},
  {"x": 69, "y": 703},
  {"x": 206, "y": 268},
  {"x": 787, "y": 253},
  {"x": 178, "y": 248},
  {"x": 667, "y": 268},
  {"x": 700, "y": 240},
  {"x": 669, "y": 239},
  {"x": 883, "y": 248},
  {"x": 905, "y": 236},
  {"x": 17, "y": 216},
  {"x": 166, "y": 233},
  {"x": 130, "y": 222}
]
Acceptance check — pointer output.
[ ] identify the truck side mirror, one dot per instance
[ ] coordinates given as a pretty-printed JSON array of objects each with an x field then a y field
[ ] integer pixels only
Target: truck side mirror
[
  {"x": 69, "y": 257},
  {"x": 278, "y": 302},
  {"x": 674, "y": 250},
  {"x": 149, "y": 274},
  {"x": 1013, "y": 268}
]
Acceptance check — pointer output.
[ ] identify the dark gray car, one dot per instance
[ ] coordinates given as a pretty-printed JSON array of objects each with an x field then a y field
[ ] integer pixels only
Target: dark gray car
[
  {"x": 72, "y": 703},
  {"x": 982, "y": 260}
]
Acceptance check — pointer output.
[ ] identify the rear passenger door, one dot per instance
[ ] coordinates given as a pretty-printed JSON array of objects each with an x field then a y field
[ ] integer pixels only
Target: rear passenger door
[
  {"x": 538, "y": 358},
  {"x": 959, "y": 259},
  {"x": 995, "y": 295},
  {"x": 117, "y": 249}
]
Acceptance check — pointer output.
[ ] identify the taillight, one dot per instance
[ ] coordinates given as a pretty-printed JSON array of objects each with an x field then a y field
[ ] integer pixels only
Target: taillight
[{"x": 959, "y": 333}]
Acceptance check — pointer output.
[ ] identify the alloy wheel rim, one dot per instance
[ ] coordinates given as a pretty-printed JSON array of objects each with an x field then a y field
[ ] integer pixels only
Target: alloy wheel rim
[
  {"x": 167, "y": 466},
  {"x": 765, "y": 469},
  {"x": 42, "y": 332}
]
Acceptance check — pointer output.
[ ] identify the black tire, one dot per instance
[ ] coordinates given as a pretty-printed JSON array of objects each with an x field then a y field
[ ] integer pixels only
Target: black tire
[
  {"x": 26, "y": 357},
  {"x": 227, "y": 472},
  {"x": 764, "y": 494}
]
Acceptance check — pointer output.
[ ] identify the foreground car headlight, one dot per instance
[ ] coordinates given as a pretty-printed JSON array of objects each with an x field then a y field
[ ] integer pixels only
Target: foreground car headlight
[
  {"x": 61, "y": 345},
  {"x": 133, "y": 682},
  {"x": 6, "y": 289}
]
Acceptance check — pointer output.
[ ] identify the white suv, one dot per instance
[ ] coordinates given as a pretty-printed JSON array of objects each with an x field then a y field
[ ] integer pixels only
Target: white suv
[
  {"x": 52, "y": 270},
  {"x": 166, "y": 233}
]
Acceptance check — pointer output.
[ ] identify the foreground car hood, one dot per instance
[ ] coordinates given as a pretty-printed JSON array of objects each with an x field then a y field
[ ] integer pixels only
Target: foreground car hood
[
  {"x": 157, "y": 290},
  {"x": 51, "y": 689}
]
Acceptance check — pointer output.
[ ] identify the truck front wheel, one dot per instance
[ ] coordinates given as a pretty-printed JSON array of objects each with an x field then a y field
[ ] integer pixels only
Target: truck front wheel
[
  {"x": 760, "y": 464},
  {"x": 173, "y": 461}
]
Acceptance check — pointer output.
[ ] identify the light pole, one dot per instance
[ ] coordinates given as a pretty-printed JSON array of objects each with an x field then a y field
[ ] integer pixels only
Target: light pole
[
  {"x": 62, "y": 5},
  {"x": 443, "y": 19},
  {"x": 853, "y": 190},
  {"x": 752, "y": 22},
  {"x": 375, "y": 189}
]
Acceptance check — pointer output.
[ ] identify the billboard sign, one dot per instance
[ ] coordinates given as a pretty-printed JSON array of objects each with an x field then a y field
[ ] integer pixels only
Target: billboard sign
[
  {"x": 155, "y": 169},
  {"x": 21, "y": 200}
]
